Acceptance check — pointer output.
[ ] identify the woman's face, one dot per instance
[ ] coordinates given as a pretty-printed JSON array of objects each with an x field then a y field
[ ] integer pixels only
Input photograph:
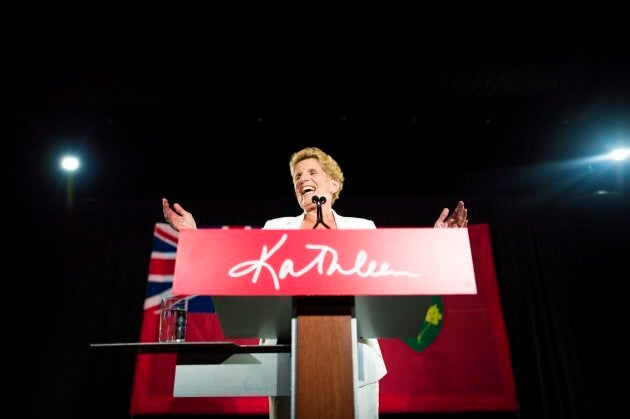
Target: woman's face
[{"x": 310, "y": 180}]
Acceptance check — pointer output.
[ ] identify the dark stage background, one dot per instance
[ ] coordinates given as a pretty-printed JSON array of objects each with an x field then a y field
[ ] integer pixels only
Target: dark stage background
[{"x": 508, "y": 127}]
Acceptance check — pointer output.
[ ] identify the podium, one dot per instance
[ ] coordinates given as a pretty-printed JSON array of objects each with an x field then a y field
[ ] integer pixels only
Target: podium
[{"x": 322, "y": 289}]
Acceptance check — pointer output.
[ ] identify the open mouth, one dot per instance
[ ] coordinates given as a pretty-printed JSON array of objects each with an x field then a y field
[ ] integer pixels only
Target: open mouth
[{"x": 308, "y": 190}]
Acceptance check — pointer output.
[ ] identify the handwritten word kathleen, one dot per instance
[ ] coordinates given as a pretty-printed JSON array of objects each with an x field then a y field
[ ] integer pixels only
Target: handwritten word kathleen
[{"x": 362, "y": 267}]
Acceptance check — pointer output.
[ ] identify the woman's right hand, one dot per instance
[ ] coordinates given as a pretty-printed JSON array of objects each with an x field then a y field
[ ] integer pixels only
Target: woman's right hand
[{"x": 177, "y": 217}]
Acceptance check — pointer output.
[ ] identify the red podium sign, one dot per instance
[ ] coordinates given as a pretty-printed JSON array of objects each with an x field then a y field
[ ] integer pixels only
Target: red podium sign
[{"x": 385, "y": 261}]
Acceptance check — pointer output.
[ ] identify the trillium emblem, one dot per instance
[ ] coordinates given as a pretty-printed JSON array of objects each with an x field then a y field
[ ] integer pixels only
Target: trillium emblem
[{"x": 430, "y": 327}]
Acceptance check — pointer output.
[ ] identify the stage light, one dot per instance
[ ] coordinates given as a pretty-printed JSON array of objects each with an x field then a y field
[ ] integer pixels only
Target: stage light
[
  {"x": 619, "y": 154},
  {"x": 70, "y": 163}
]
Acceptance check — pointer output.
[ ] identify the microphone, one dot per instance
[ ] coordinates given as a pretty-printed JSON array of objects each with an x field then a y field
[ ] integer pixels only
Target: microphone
[{"x": 319, "y": 201}]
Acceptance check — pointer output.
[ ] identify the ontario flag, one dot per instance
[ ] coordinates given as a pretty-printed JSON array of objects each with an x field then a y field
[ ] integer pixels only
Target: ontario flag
[{"x": 460, "y": 360}]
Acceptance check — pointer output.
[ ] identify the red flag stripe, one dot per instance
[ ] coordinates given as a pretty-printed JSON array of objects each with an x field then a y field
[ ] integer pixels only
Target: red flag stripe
[
  {"x": 164, "y": 234},
  {"x": 161, "y": 266}
]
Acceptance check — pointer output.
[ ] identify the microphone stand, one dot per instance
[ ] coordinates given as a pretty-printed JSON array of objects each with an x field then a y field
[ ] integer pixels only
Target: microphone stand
[{"x": 320, "y": 219}]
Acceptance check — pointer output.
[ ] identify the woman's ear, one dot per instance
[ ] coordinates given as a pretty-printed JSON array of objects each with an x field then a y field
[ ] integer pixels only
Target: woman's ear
[{"x": 334, "y": 185}]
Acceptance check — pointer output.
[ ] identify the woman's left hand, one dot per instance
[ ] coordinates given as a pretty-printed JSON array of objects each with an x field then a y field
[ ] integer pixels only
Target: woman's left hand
[{"x": 458, "y": 219}]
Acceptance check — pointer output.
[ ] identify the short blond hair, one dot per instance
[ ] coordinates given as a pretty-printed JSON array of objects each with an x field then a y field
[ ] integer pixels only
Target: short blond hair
[{"x": 328, "y": 164}]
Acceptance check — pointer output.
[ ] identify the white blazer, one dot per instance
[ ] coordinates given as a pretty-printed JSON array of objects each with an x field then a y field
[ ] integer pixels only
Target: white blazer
[
  {"x": 371, "y": 366},
  {"x": 293, "y": 223}
]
